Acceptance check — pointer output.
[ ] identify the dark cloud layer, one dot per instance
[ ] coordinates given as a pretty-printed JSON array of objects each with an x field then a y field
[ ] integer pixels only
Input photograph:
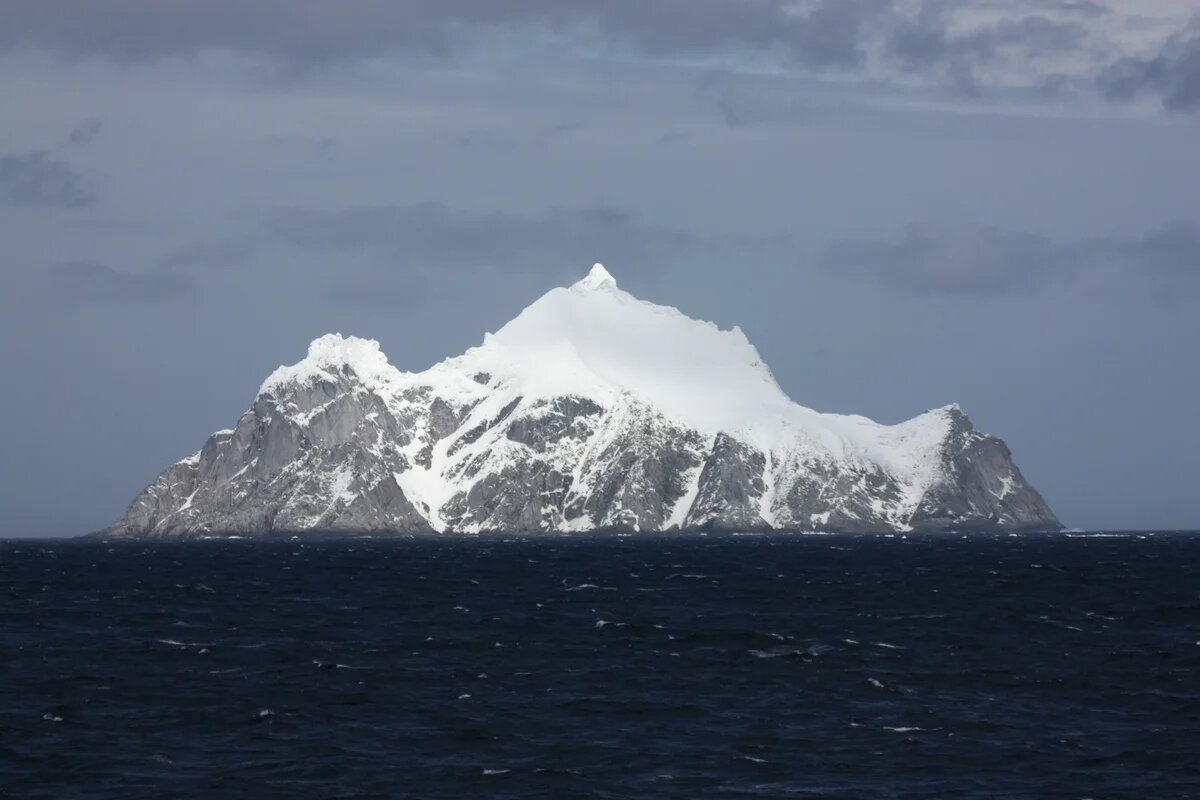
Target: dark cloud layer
[
  {"x": 90, "y": 281},
  {"x": 829, "y": 34},
  {"x": 928, "y": 41},
  {"x": 993, "y": 262},
  {"x": 313, "y": 30},
  {"x": 39, "y": 179},
  {"x": 434, "y": 235},
  {"x": 83, "y": 133},
  {"x": 406, "y": 244},
  {"x": 227, "y": 253},
  {"x": 1173, "y": 73},
  {"x": 986, "y": 261},
  {"x": 1173, "y": 250}
]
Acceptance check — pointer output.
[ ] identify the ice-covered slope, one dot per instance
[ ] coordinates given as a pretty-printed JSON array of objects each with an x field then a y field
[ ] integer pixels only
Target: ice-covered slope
[
  {"x": 591, "y": 409},
  {"x": 595, "y": 339}
]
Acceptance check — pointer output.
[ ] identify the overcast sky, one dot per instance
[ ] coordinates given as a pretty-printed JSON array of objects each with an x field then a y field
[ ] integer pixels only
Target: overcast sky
[{"x": 903, "y": 204}]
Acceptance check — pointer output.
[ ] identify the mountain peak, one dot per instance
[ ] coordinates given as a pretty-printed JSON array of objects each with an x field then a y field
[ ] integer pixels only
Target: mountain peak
[
  {"x": 598, "y": 278},
  {"x": 331, "y": 354}
]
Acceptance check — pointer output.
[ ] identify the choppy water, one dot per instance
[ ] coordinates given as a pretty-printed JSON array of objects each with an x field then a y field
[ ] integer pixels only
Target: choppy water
[{"x": 806, "y": 666}]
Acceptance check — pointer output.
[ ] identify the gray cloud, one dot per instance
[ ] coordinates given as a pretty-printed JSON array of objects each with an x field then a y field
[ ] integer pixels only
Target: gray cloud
[
  {"x": 753, "y": 100},
  {"x": 483, "y": 139},
  {"x": 315, "y": 31},
  {"x": 943, "y": 42},
  {"x": 1080, "y": 8},
  {"x": 928, "y": 41},
  {"x": 1173, "y": 250},
  {"x": 408, "y": 244},
  {"x": 1173, "y": 73},
  {"x": 83, "y": 133},
  {"x": 323, "y": 146},
  {"x": 560, "y": 129},
  {"x": 225, "y": 253},
  {"x": 989, "y": 261},
  {"x": 983, "y": 262},
  {"x": 93, "y": 281},
  {"x": 369, "y": 292},
  {"x": 433, "y": 236},
  {"x": 37, "y": 179},
  {"x": 675, "y": 136},
  {"x": 822, "y": 35}
]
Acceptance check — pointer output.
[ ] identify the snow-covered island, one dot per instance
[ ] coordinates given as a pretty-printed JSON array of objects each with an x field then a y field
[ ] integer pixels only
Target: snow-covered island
[{"x": 590, "y": 410}]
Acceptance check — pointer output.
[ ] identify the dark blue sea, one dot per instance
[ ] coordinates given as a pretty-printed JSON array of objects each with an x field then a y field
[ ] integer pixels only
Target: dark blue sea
[{"x": 847, "y": 666}]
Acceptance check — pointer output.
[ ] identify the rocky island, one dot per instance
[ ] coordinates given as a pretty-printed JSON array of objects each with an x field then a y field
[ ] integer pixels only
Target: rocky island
[{"x": 591, "y": 410}]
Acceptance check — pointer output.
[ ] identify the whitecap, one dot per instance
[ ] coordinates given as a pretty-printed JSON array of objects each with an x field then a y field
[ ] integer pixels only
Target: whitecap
[
  {"x": 176, "y": 643},
  {"x": 333, "y": 665},
  {"x": 779, "y": 652}
]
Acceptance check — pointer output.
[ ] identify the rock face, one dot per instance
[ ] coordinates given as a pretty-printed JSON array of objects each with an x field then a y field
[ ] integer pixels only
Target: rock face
[{"x": 590, "y": 410}]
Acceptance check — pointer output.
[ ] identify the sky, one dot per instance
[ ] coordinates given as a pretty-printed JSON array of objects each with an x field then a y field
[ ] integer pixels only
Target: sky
[{"x": 903, "y": 203}]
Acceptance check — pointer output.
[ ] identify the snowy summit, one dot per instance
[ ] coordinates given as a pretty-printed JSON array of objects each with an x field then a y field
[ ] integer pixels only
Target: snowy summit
[
  {"x": 591, "y": 409},
  {"x": 597, "y": 278}
]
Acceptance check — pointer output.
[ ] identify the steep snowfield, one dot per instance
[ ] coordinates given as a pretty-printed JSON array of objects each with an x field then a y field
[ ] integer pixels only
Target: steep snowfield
[
  {"x": 597, "y": 340},
  {"x": 591, "y": 408}
]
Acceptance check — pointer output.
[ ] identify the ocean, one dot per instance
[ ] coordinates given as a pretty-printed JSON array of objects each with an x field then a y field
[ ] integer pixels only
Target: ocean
[{"x": 789, "y": 666}]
